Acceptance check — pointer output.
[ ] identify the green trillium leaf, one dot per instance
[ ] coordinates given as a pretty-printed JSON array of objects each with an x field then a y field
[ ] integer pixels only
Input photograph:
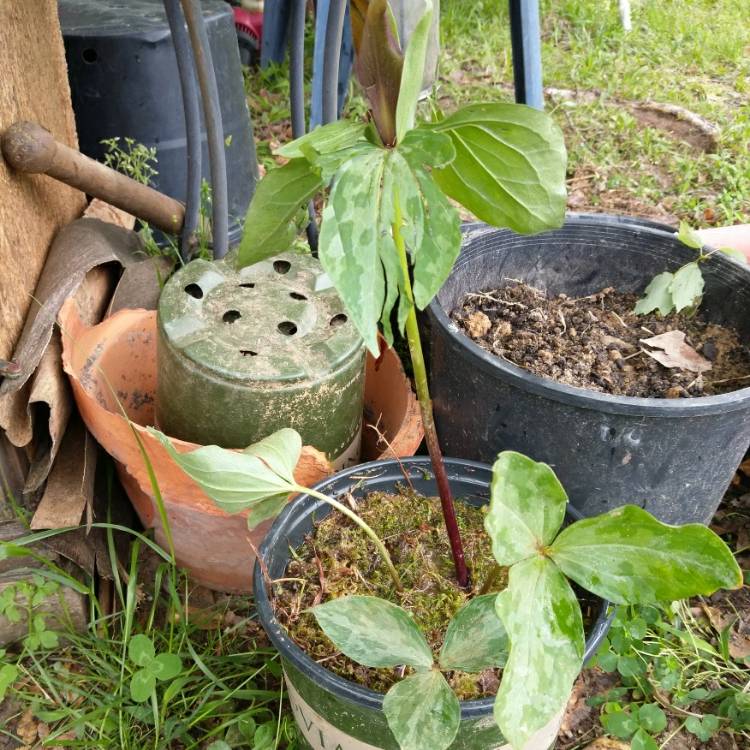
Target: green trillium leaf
[
  {"x": 350, "y": 240},
  {"x": 423, "y": 712},
  {"x": 688, "y": 236},
  {"x": 270, "y": 225},
  {"x": 687, "y": 287},
  {"x": 142, "y": 684},
  {"x": 324, "y": 139},
  {"x": 543, "y": 619},
  {"x": 413, "y": 73},
  {"x": 527, "y": 507},
  {"x": 166, "y": 667},
  {"x": 234, "y": 481},
  {"x": 373, "y": 632},
  {"x": 441, "y": 244},
  {"x": 279, "y": 451},
  {"x": 422, "y": 147},
  {"x": 476, "y": 638},
  {"x": 141, "y": 650},
  {"x": 629, "y": 557},
  {"x": 509, "y": 168},
  {"x": 658, "y": 295}
]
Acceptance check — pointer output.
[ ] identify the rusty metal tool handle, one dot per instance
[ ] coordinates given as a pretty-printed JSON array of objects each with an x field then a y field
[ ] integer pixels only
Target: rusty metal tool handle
[{"x": 28, "y": 147}]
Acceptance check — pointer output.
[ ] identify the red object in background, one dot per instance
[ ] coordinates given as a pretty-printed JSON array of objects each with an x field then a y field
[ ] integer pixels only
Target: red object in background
[{"x": 249, "y": 25}]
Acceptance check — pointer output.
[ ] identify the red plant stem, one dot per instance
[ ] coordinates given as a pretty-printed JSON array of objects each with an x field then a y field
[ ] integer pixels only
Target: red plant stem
[{"x": 425, "y": 405}]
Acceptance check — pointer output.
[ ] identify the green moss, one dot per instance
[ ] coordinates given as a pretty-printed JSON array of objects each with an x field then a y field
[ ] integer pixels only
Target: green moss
[{"x": 338, "y": 559}]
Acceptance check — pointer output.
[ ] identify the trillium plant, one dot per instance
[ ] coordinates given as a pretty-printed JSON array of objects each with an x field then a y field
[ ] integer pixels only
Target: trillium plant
[
  {"x": 533, "y": 629},
  {"x": 390, "y": 235}
]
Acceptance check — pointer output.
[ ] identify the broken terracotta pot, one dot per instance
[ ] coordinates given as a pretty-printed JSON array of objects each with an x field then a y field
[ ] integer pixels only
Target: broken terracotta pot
[{"x": 116, "y": 361}]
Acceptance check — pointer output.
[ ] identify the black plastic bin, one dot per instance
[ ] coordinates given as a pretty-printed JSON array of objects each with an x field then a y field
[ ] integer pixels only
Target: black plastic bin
[
  {"x": 124, "y": 82},
  {"x": 674, "y": 457}
]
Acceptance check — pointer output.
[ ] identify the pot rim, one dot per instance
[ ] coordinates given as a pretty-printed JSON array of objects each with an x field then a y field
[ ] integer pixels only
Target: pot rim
[
  {"x": 326, "y": 679},
  {"x": 518, "y": 377}
]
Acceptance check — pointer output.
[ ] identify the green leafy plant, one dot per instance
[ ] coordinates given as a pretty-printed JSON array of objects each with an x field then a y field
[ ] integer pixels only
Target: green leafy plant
[
  {"x": 533, "y": 628},
  {"x": 662, "y": 653},
  {"x": 23, "y": 600},
  {"x": 683, "y": 289},
  {"x": 139, "y": 162},
  {"x": 390, "y": 233},
  {"x": 151, "y": 667}
]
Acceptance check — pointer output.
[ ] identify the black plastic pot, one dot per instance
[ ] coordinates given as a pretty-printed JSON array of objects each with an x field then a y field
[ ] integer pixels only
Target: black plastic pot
[
  {"x": 330, "y": 711},
  {"x": 124, "y": 83},
  {"x": 673, "y": 457}
]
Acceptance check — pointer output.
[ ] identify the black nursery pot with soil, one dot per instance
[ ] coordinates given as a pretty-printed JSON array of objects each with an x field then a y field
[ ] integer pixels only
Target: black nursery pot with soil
[
  {"x": 674, "y": 457},
  {"x": 331, "y": 712}
]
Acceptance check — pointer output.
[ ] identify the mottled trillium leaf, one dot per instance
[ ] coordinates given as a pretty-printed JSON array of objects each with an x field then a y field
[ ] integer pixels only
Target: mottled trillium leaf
[
  {"x": 658, "y": 295},
  {"x": 324, "y": 139},
  {"x": 234, "y": 481},
  {"x": 629, "y": 557},
  {"x": 350, "y": 239},
  {"x": 279, "y": 451},
  {"x": 543, "y": 619},
  {"x": 427, "y": 147},
  {"x": 423, "y": 712},
  {"x": 689, "y": 236},
  {"x": 373, "y": 632},
  {"x": 509, "y": 168},
  {"x": 441, "y": 244},
  {"x": 476, "y": 638},
  {"x": 527, "y": 507},
  {"x": 413, "y": 73},
  {"x": 270, "y": 225},
  {"x": 687, "y": 287}
]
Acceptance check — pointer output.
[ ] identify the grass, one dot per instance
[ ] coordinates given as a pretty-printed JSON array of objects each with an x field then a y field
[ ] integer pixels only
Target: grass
[
  {"x": 71, "y": 689},
  {"x": 692, "y": 53}
]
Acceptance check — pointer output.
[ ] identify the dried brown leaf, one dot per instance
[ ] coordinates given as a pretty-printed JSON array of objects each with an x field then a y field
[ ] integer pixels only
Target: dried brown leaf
[{"x": 671, "y": 350}]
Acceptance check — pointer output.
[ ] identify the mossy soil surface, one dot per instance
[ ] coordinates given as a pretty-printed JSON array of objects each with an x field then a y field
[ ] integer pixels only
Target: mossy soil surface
[
  {"x": 596, "y": 342},
  {"x": 338, "y": 559}
]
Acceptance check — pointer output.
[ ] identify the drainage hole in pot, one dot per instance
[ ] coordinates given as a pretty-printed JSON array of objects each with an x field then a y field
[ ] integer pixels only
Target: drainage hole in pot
[
  {"x": 297, "y": 295},
  {"x": 281, "y": 266},
  {"x": 231, "y": 315},
  {"x": 337, "y": 320},
  {"x": 248, "y": 285},
  {"x": 89, "y": 55},
  {"x": 248, "y": 353},
  {"x": 287, "y": 328},
  {"x": 194, "y": 291}
]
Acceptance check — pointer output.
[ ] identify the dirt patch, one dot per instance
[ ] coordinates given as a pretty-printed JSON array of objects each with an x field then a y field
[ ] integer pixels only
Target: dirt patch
[
  {"x": 596, "y": 342},
  {"x": 682, "y": 125}
]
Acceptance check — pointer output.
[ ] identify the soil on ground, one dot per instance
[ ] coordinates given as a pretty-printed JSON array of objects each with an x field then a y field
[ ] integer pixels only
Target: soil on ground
[{"x": 595, "y": 342}]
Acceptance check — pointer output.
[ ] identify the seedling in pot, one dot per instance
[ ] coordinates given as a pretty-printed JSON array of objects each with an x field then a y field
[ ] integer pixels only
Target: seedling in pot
[
  {"x": 389, "y": 234},
  {"x": 533, "y": 628},
  {"x": 683, "y": 289}
]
